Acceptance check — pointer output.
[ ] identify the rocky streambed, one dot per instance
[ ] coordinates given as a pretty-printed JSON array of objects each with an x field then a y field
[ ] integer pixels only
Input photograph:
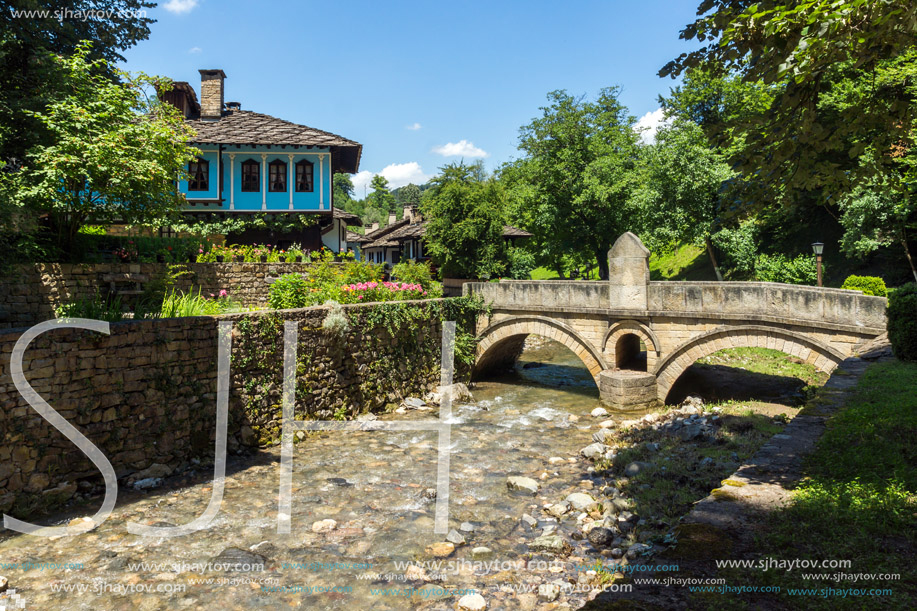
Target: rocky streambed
[{"x": 551, "y": 497}]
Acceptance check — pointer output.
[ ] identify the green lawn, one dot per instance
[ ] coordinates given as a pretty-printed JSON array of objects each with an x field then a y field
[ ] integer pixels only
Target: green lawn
[{"x": 858, "y": 501}]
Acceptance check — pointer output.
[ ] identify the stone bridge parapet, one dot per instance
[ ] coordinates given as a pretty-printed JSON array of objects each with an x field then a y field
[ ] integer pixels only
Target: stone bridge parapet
[{"x": 629, "y": 324}]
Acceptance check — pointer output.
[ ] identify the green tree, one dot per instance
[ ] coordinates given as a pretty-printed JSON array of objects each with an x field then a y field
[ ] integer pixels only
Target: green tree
[
  {"x": 841, "y": 72},
  {"x": 465, "y": 218},
  {"x": 680, "y": 194},
  {"x": 343, "y": 190},
  {"x": 409, "y": 195},
  {"x": 574, "y": 186},
  {"x": 115, "y": 151},
  {"x": 381, "y": 197},
  {"x": 29, "y": 76},
  {"x": 877, "y": 216}
]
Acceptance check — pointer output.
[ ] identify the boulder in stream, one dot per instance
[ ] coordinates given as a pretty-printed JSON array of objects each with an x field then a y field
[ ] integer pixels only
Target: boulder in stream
[{"x": 523, "y": 484}]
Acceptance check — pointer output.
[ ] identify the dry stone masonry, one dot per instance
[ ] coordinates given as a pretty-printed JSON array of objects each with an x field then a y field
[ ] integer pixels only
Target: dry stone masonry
[
  {"x": 145, "y": 394},
  {"x": 29, "y": 293},
  {"x": 607, "y": 324}
]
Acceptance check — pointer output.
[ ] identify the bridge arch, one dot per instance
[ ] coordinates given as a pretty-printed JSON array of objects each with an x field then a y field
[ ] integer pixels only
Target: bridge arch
[
  {"x": 623, "y": 328},
  {"x": 822, "y": 356},
  {"x": 501, "y": 342}
]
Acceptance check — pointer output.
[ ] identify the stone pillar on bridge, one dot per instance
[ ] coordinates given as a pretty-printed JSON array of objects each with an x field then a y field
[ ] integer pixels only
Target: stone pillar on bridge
[{"x": 629, "y": 279}]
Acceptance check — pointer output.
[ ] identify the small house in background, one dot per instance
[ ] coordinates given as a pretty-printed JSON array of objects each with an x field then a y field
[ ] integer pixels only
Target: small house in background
[
  {"x": 401, "y": 240},
  {"x": 254, "y": 163}
]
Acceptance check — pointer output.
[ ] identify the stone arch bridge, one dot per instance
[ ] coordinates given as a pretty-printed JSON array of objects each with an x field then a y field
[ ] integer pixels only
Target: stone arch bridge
[{"x": 611, "y": 324}]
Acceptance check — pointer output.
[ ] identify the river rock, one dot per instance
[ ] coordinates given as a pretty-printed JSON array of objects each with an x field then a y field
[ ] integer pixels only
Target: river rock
[
  {"x": 467, "y": 527},
  {"x": 416, "y": 573},
  {"x": 455, "y": 537},
  {"x": 524, "y": 484},
  {"x": 558, "y": 509},
  {"x": 548, "y": 592},
  {"x": 237, "y": 559},
  {"x": 460, "y": 392},
  {"x": 4, "y": 583},
  {"x": 148, "y": 483},
  {"x": 600, "y": 537},
  {"x": 580, "y": 500},
  {"x": 690, "y": 431},
  {"x": 607, "y": 424},
  {"x": 472, "y": 602},
  {"x": 553, "y": 544},
  {"x": 555, "y": 460},
  {"x": 156, "y": 470},
  {"x": 598, "y": 412},
  {"x": 529, "y": 520},
  {"x": 636, "y": 549},
  {"x": 636, "y": 467},
  {"x": 692, "y": 405},
  {"x": 601, "y": 435},
  {"x": 324, "y": 526},
  {"x": 440, "y": 549},
  {"x": 481, "y": 553},
  {"x": 414, "y": 403},
  {"x": 594, "y": 450},
  {"x": 706, "y": 462}
]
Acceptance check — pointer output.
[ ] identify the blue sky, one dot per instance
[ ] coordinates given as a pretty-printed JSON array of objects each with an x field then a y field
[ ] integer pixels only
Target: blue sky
[{"x": 419, "y": 84}]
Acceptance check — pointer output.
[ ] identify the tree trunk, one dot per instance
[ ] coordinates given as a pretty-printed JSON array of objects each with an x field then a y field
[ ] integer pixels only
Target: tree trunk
[
  {"x": 716, "y": 268},
  {"x": 602, "y": 257},
  {"x": 907, "y": 253}
]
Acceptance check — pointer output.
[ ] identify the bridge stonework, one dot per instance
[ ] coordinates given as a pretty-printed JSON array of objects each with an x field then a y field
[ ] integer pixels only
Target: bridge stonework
[{"x": 607, "y": 323}]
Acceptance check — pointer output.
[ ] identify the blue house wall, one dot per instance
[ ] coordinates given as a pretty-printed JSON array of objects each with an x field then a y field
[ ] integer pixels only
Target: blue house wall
[{"x": 235, "y": 200}]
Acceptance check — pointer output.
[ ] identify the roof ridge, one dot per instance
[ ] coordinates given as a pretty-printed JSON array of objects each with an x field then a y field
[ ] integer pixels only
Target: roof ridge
[{"x": 322, "y": 131}]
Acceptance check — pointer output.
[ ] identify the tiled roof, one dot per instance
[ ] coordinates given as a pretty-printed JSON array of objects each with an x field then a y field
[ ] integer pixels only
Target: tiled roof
[
  {"x": 244, "y": 127},
  {"x": 355, "y": 238},
  {"x": 348, "y": 217},
  {"x": 514, "y": 232}
]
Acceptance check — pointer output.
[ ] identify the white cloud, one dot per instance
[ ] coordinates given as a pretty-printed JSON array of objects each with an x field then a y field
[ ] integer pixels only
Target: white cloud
[
  {"x": 413, "y": 127},
  {"x": 650, "y": 124},
  {"x": 462, "y": 148},
  {"x": 179, "y": 6},
  {"x": 195, "y": 50},
  {"x": 397, "y": 174}
]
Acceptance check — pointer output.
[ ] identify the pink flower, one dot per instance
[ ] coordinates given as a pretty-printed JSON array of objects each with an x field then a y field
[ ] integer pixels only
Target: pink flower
[
  {"x": 212, "y": 295},
  {"x": 223, "y": 293},
  {"x": 200, "y": 251}
]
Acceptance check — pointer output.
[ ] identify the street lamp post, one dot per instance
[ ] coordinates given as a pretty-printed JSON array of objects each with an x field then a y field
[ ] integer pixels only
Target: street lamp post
[{"x": 818, "y": 248}]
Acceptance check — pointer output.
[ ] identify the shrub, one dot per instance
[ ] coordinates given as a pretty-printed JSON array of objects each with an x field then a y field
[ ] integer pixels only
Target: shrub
[
  {"x": 902, "y": 322},
  {"x": 868, "y": 285},
  {"x": 412, "y": 272},
  {"x": 288, "y": 291},
  {"x": 779, "y": 268},
  {"x": 521, "y": 263},
  {"x": 178, "y": 304},
  {"x": 336, "y": 322},
  {"x": 97, "y": 308}
]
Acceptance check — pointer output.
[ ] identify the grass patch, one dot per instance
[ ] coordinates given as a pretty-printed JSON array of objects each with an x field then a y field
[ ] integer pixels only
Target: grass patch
[
  {"x": 858, "y": 500},
  {"x": 680, "y": 475},
  {"x": 686, "y": 262},
  {"x": 766, "y": 361}
]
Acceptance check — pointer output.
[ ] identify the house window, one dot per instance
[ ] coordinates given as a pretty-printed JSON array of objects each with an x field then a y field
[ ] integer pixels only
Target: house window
[
  {"x": 199, "y": 175},
  {"x": 277, "y": 177},
  {"x": 251, "y": 176},
  {"x": 304, "y": 171}
]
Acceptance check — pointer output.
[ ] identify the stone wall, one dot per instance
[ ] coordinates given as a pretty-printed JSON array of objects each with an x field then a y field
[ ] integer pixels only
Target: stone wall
[
  {"x": 29, "y": 293},
  {"x": 146, "y": 393}
]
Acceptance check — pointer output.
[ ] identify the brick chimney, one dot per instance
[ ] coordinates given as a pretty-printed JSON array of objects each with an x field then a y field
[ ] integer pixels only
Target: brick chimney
[
  {"x": 374, "y": 226},
  {"x": 212, "y": 93},
  {"x": 409, "y": 214},
  {"x": 392, "y": 217}
]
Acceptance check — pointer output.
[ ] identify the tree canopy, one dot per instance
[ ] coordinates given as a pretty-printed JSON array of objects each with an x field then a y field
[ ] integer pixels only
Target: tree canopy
[{"x": 573, "y": 187}]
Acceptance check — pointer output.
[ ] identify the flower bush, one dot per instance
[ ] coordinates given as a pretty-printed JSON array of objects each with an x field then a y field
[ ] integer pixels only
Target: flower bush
[
  {"x": 347, "y": 282},
  {"x": 252, "y": 253}
]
